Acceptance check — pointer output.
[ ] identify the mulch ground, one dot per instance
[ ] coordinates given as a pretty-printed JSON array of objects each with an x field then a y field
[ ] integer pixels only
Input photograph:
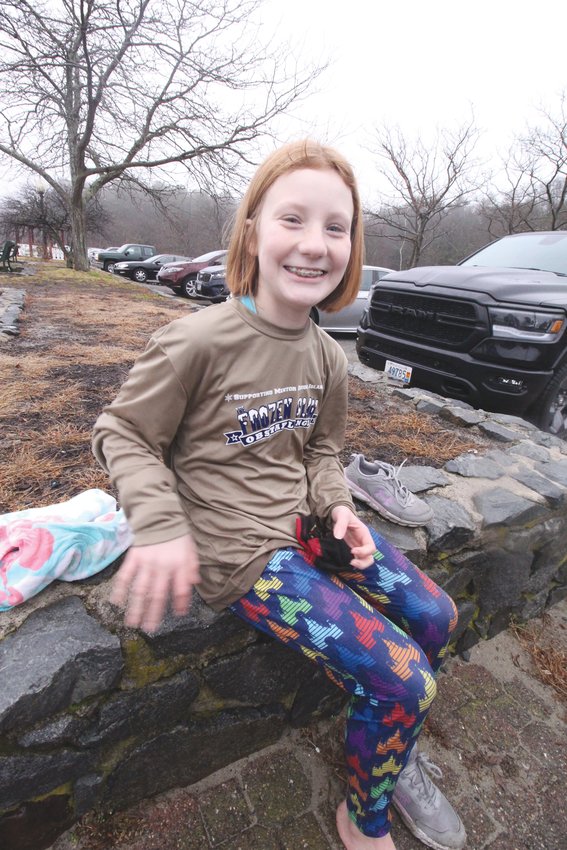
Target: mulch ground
[{"x": 80, "y": 334}]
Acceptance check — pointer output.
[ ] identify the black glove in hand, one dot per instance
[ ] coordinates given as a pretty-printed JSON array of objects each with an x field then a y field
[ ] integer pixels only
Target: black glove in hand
[{"x": 319, "y": 546}]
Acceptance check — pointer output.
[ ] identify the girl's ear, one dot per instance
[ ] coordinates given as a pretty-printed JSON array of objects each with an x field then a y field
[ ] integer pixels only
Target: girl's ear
[{"x": 250, "y": 237}]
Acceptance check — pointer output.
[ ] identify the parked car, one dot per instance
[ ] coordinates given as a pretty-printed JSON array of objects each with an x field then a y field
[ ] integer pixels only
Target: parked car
[
  {"x": 182, "y": 277},
  {"x": 491, "y": 331},
  {"x": 92, "y": 253},
  {"x": 348, "y": 319},
  {"x": 130, "y": 251},
  {"x": 143, "y": 270},
  {"x": 211, "y": 284}
]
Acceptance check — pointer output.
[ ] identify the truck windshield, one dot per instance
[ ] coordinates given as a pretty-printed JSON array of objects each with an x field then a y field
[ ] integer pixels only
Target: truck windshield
[{"x": 541, "y": 251}]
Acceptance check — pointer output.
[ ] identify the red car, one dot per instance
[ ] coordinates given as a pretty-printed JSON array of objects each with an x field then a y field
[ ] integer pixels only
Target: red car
[{"x": 182, "y": 277}]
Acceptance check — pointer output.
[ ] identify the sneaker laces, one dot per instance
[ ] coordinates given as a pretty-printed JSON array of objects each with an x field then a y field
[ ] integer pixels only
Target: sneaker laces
[
  {"x": 419, "y": 772},
  {"x": 403, "y": 496}
]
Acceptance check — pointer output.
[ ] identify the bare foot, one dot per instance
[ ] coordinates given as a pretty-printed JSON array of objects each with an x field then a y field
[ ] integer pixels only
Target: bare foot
[{"x": 353, "y": 838}]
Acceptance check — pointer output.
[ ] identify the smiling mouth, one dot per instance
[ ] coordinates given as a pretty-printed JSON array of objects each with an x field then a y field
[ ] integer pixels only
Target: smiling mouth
[{"x": 301, "y": 272}]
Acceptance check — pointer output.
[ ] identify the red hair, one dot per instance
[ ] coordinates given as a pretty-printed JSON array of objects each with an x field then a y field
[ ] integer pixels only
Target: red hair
[{"x": 242, "y": 264}]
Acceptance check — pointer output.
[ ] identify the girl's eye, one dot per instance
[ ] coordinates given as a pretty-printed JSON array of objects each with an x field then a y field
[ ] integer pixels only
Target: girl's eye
[
  {"x": 290, "y": 219},
  {"x": 336, "y": 228}
]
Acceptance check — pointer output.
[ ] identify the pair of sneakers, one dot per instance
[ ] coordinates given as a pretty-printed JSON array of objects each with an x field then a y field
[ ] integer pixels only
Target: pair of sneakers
[
  {"x": 424, "y": 809},
  {"x": 377, "y": 483}
]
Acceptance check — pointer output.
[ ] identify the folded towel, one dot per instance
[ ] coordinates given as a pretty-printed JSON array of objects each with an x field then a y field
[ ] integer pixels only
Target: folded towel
[{"x": 70, "y": 541}]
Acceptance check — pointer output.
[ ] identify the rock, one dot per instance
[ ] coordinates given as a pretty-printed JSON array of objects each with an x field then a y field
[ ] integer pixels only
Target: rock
[
  {"x": 498, "y": 432},
  {"x": 189, "y": 752},
  {"x": 79, "y": 659},
  {"x": 461, "y": 416},
  {"x": 508, "y": 419},
  {"x": 260, "y": 675},
  {"x": 155, "y": 707},
  {"x": 452, "y": 525},
  {"x": 23, "y": 777},
  {"x": 318, "y": 697},
  {"x": 502, "y": 507},
  {"x": 555, "y": 495},
  {"x": 36, "y": 825},
  {"x": 418, "y": 479},
  {"x": 471, "y": 466},
  {"x": 530, "y": 450},
  {"x": 556, "y": 470},
  {"x": 200, "y": 629},
  {"x": 365, "y": 373},
  {"x": 430, "y": 405},
  {"x": 501, "y": 579}
]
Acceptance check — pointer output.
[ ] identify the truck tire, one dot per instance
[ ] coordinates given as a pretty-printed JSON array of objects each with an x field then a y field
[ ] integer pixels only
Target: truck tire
[
  {"x": 109, "y": 266},
  {"x": 553, "y": 405}
]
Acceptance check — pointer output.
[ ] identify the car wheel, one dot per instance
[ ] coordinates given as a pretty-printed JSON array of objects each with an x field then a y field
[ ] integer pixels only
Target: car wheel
[
  {"x": 188, "y": 287},
  {"x": 553, "y": 405},
  {"x": 140, "y": 276},
  {"x": 109, "y": 266}
]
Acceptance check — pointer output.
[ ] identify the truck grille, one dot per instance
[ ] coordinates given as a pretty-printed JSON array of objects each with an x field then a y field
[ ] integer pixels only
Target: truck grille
[
  {"x": 426, "y": 317},
  {"x": 405, "y": 354}
]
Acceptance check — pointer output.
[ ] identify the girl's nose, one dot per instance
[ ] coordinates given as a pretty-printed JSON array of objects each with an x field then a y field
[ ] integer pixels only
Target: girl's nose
[{"x": 313, "y": 242}]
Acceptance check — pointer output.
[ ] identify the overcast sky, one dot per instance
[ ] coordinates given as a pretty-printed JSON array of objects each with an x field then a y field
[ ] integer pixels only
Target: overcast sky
[
  {"x": 425, "y": 65},
  {"x": 421, "y": 66}
]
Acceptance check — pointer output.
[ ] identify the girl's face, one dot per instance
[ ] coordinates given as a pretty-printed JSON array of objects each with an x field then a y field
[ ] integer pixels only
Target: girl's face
[{"x": 301, "y": 237}]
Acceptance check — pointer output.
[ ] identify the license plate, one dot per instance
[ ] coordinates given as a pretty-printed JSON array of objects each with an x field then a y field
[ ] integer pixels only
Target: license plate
[{"x": 398, "y": 372}]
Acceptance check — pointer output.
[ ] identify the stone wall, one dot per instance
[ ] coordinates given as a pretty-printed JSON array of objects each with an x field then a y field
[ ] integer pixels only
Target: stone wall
[{"x": 95, "y": 715}]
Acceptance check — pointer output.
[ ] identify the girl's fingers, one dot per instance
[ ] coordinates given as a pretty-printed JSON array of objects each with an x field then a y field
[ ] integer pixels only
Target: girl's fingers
[
  {"x": 181, "y": 592},
  {"x": 122, "y": 581},
  {"x": 363, "y": 556},
  {"x": 155, "y": 603},
  {"x": 140, "y": 590}
]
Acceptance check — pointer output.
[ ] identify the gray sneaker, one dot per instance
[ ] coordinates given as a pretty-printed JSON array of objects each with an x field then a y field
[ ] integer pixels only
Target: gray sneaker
[
  {"x": 426, "y": 812},
  {"x": 377, "y": 484}
]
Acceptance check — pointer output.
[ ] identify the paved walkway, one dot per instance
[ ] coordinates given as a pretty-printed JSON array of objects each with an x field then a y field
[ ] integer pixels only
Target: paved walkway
[{"x": 498, "y": 733}]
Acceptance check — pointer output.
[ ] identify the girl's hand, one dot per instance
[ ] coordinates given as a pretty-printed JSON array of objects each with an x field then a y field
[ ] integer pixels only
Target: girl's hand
[
  {"x": 348, "y": 527},
  {"x": 152, "y": 575}
]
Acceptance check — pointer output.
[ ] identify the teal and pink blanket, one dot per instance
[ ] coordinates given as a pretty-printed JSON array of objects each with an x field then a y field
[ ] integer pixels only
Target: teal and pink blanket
[{"x": 70, "y": 541}]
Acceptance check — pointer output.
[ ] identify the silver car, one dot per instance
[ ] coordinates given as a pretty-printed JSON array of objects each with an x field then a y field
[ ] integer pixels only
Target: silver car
[{"x": 347, "y": 319}]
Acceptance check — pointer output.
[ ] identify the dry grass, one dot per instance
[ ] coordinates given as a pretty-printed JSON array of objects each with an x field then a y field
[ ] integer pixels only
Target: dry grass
[
  {"x": 80, "y": 333},
  {"x": 380, "y": 428},
  {"x": 55, "y": 460},
  {"x": 19, "y": 395},
  {"x": 29, "y": 367},
  {"x": 550, "y": 662}
]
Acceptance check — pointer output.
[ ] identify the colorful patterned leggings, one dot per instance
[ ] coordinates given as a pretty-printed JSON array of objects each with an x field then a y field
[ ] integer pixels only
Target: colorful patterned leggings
[{"x": 379, "y": 634}]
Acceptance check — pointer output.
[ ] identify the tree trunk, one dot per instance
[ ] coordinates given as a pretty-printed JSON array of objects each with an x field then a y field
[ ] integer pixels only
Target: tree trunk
[{"x": 78, "y": 236}]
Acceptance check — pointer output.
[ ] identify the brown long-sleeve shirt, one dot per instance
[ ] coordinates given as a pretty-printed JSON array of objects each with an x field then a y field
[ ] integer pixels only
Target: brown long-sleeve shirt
[{"x": 228, "y": 427}]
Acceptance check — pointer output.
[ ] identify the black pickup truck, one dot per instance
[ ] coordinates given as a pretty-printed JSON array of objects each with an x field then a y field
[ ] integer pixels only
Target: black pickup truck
[{"x": 491, "y": 330}]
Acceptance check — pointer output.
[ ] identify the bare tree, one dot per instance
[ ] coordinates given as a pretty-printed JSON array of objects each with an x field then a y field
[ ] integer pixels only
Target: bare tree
[
  {"x": 426, "y": 181},
  {"x": 96, "y": 91},
  {"x": 546, "y": 146},
  {"x": 43, "y": 211},
  {"x": 513, "y": 208},
  {"x": 192, "y": 223}
]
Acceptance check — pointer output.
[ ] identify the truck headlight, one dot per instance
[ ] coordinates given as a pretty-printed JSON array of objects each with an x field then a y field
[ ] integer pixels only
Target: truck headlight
[{"x": 529, "y": 325}]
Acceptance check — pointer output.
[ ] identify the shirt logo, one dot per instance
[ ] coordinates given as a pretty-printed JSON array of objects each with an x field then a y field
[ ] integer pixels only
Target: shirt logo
[{"x": 266, "y": 420}]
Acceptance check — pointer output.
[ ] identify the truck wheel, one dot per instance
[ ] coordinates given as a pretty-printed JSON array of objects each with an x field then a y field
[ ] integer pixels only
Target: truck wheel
[
  {"x": 553, "y": 405},
  {"x": 188, "y": 287},
  {"x": 109, "y": 266}
]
